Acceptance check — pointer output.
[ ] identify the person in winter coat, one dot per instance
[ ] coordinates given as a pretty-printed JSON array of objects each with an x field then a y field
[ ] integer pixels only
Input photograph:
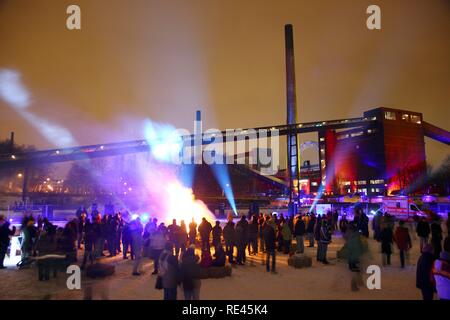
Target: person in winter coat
[
  {"x": 192, "y": 232},
  {"x": 29, "y": 237},
  {"x": 89, "y": 240},
  {"x": 436, "y": 237},
  {"x": 217, "y": 235},
  {"x": 310, "y": 229},
  {"x": 183, "y": 235},
  {"x": 190, "y": 275},
  {"x": 157, "y": 244},
  {"x": 343, "y": 224},
  {"x": 229, "y": 235},
  {"x": 98, "y": 232},
  {"x": 169, "y": 272},
  {"x": 244, "y": 224},
  {"x": 67, "y": 242},
  {"x": 299, "y": 233},
  {"x": 112, "y": 227},
  {"x": 81, "y": 230},
  {"x": 424, "y": 273},
  {"x": 240, "y": 243},
  {"x": 127, "y": 241},
  {"x": 205, "y": 230},
  {"x": 354, "y": 252},
  {"x": 5, "y": 233},
  {"x": 423, "y": 232},
  {"x": 403, "y": 241},
  {"x": 46, "y": 245},
  {"x": 363, "y": 224},
  {"x": 173, "y": 232},
  {"x": 324, "y": 239},
  {"x": 137, "y": 230},
  {"x": 269, "y": 238},
  {"x": 386, "y": 238},
  {"x": 253, "y": 236},
  {"x": 376, "y": 225},
  {"x": 287, "y": 237},
  {"x": 441, "y": 272}
]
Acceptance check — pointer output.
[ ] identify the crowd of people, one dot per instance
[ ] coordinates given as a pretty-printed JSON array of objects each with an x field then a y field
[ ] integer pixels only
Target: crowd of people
[{"x": 172, "y": 247}]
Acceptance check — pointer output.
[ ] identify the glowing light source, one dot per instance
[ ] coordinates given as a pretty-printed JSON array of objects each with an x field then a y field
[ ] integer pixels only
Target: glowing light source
[
  {"x": 221, "y": 173},
  {"x": 134, "y": 216},
  {"x": 145, "y": 217}
]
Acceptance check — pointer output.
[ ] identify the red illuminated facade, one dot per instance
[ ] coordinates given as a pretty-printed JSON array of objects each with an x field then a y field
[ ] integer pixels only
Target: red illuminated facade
[{"x": 382, "y": 158}]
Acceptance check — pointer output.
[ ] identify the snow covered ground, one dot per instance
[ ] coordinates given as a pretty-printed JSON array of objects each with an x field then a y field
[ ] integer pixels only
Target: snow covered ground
[{"x": 247, "y": 282}]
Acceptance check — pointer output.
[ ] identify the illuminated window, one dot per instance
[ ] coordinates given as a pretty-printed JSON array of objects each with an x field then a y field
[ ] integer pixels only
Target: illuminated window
[
  {"x": 377, "y": 181},
  {"x": 389, "y": 115},
  {"x": 343, "y": 136},
  {"x": 405, "y": 117},
  {"x": 415, "y": 119},
  {"x": 314, "y": 184},
  {"x": 346, "y": 183},
  {"x": 360, "y": 182},
  {"x": 356, "y": 134},
  {"x": 322, "y": 139}
]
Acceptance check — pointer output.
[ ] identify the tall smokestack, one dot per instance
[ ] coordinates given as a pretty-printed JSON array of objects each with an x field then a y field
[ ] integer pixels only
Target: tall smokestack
[
  {"x": 291, "y": 108},
  {"x": 291, "y": 97}
]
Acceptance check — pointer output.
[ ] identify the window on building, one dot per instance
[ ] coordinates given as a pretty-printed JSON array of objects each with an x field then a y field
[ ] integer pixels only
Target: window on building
[
  {"x": 360, "y": 182},
  {"x": 342, "y": 136},
  {"x": 405, "y": 117},
  {"x": 346, "y": 183},
  {"x": 322, "y": 139},
  {"x": 377, "y": 181},
  {"x": 356, "y": 134},
  {"x": 314, "y": 184},
  {"x": 389, "y": 115},
  {"x": 415, "y": 118}
]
